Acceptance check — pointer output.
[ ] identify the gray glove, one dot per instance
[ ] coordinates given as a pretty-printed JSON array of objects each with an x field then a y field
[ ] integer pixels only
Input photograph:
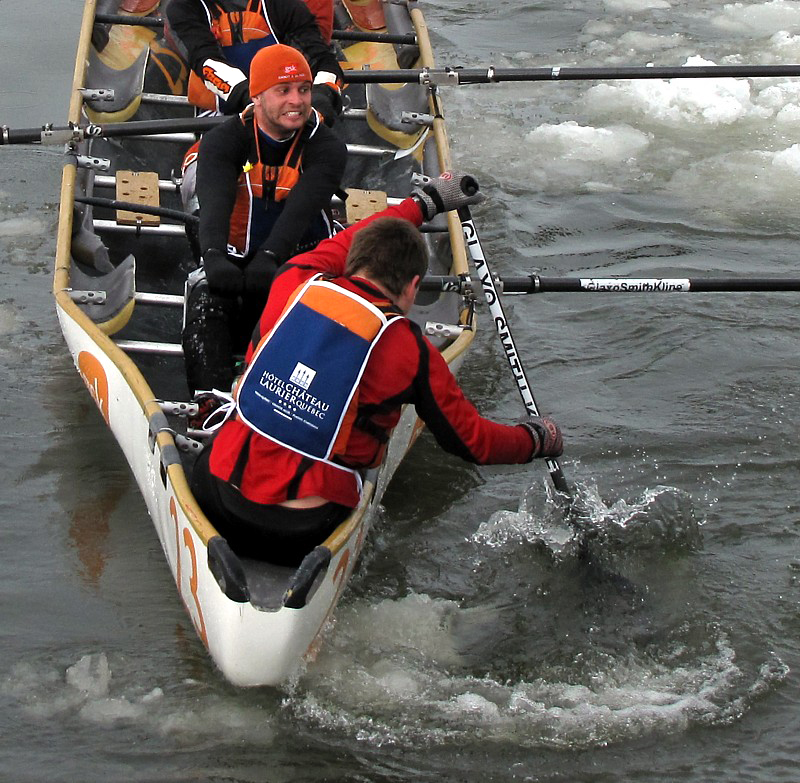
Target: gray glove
[
  {"x": 450, "y": 190},
  {"x": 546, "y": 436}
]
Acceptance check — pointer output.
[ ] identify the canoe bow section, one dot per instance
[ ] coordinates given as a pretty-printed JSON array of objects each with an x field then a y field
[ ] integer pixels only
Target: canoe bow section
[{"x": 258, "y": 623}]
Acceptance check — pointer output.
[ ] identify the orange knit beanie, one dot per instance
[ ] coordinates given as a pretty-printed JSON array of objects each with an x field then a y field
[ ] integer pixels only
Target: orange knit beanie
[{"x": 277, "y": 64}]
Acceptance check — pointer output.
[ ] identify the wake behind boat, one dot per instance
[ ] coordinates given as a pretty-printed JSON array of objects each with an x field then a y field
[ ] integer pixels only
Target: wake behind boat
[{"x": 122, "y": 261}]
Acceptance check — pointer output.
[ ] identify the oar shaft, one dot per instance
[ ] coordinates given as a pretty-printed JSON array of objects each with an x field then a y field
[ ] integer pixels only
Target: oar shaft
[
  {"x": 49, "y": 134},
  {"x": 649, "y": 285},
  {"x": 493, "y": 299},
  {"x": 534, "y": 284},
  {"x": 491, "y": 75}
]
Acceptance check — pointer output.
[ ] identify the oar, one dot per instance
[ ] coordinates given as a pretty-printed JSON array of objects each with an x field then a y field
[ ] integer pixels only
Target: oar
[
  {"x": 157, "y": 23},
  {"x": 491, "y": 75},
  {"x": 66, "y": 134},
  {"x": 501, "y": 324},
  {"x": 535, "y": 284},
  {"x": 582, "y": 532}
]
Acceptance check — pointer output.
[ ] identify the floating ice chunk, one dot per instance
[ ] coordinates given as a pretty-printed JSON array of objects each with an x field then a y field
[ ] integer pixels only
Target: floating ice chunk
[
  {"x": 788, "y": 159},
  {"x": 637, "y": 41},
  {"x": 21, "y": 227},
  {"x": 569, "y": 140},
  {"x": 106, "y": 711},
  {"x": 8, "y": 319},
  {"x": 786, "y": 46},
  {"x": 758, "y": 18},
  {"x": 678, "y": 101},
  {"x": 634, "y": 6},
  {"x": 90, "y": 675}
]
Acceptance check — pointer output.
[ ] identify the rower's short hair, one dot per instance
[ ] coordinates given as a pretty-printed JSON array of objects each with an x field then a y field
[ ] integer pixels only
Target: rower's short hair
[{"x": 390, "y": 250}]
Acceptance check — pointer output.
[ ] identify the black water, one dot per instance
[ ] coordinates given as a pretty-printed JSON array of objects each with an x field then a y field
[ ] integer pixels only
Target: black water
[{"x": 473, "y": 643}]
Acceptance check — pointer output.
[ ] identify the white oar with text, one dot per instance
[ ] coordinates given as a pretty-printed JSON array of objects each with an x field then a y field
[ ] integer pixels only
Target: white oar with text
[{"x": 495, "y": 304}]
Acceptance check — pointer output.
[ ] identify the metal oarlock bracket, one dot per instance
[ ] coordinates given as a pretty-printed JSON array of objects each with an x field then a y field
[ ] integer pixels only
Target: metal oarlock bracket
[
  {"x": 91, "y": 162},
  {"x": 446, "y": 76},
  {"x": 96, "y": 94},
  {"x": 178, "y": 408},
  {"x": 87, "y": 297},
  {"x": 436, "y": 329},
  {"x": 188, "y": 445},
  {"x": 416, "y": 118},
  {"x": 51, "y": 135}
]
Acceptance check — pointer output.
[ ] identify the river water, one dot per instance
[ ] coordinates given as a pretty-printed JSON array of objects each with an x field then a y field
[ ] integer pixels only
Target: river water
[{"x": 473, "y": 642}]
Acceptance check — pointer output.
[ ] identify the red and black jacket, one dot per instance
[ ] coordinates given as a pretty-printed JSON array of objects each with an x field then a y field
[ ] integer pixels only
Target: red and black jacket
[{"x": 404, "y": 368}]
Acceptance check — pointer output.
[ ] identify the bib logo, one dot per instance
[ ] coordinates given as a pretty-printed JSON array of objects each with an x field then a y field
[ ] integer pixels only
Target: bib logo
[
  {"x": 94, "y": 376},
  {"x": 302, "y": 376}
]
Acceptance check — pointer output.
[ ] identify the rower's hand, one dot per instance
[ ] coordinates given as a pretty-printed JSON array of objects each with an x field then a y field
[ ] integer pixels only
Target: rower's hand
[
  {"x": 450, "y": 190},
  {"x": 259, "y": 272},
  {"x": 238, "y": 99},
  {"x": 225, "y": 278},
  {"x": 546, "y": 436},
  {"x": 327, "y": 101}
]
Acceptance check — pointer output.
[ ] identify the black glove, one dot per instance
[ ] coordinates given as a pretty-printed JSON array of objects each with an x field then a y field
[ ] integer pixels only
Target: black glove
[
  {"x": 450, "y": 190},
  {"x": 224, "y": 277},
  {"x": 259, "y": 272},
  {"x": 327, "y": 101},
  {"x": 547, "y": 440},
  {"x": 238, "y": 98}
]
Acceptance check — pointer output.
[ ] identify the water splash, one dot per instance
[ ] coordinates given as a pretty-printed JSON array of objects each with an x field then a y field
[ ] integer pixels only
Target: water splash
[
  {"x": 398, "y": 685},
  {"x": 660, "y": 517}
]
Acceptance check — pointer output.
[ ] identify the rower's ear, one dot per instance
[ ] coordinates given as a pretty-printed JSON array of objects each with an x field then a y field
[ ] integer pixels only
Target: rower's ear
[{"x": 409, "y": 294}]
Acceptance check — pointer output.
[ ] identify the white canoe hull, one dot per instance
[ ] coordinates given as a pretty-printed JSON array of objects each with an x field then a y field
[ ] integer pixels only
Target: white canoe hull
[{"x": 250, "y": 644}]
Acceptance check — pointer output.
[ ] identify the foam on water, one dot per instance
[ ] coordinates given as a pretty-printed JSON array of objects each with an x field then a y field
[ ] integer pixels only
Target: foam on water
[{"x": 394, "y": 683}]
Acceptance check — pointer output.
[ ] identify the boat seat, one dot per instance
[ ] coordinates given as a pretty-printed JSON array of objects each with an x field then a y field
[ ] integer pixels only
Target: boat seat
[
  {"x": 117, "y": 62},
  {"x": 137, "y": 187},
  {"x": 118, "y": 285},
  {"x": 387, "y": 104},
  {"x": 398, "y": 22},
  {"x": 362, "y": 204}
]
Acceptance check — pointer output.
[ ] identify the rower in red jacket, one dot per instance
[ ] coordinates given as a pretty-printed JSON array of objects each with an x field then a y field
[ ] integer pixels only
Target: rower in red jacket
[{"x": 332, "y": 361}]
